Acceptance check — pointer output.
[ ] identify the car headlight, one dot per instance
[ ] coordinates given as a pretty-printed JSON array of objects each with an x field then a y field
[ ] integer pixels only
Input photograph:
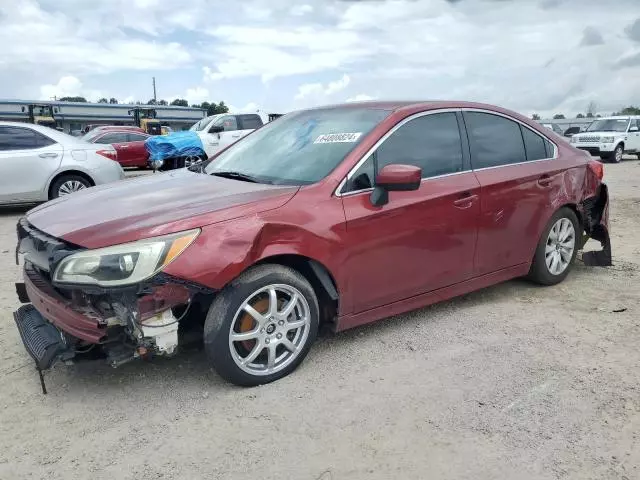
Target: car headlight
[
  {"x": 124, "y": 264},
  {"x": 573, "y": 139},
  {"x": 607, "y": 139}
]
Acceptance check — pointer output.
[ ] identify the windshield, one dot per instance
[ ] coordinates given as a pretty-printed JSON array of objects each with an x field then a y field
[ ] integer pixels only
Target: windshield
[
  {"x": 299, "y": 148},
  {"x": 609, "y": 125},
  {"x": 201, "y": 125}
]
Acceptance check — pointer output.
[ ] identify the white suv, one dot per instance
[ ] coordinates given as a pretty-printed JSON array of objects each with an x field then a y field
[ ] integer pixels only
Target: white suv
[
  {"x": 220, "y": 131},
  {"x": 610, "y": 137}
]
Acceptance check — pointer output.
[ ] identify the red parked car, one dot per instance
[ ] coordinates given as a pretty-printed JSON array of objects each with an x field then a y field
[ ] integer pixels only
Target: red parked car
[
  {"x": 128, "y": 143},
  {"x": 340, "y": 215}
]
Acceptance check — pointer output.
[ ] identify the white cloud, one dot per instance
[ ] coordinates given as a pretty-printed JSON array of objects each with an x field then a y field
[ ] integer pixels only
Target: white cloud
[
  {"x": 319, "y": 90},
  {"x": 503, "y": 52},
  {"x": 68, "y": 86},
  {"x": 196, "y": 95},
  {"x": 361, "y": 97},
  {"x": 250, "y": 107},
  {"x": 300, "y": 10}
]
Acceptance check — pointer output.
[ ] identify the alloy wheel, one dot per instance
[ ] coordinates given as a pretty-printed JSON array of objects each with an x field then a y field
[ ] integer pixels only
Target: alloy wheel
[
  {"x": 70, "y": 186},
  {"x": 269, "y": 330},
  {"x": 618, "y": 154},
  {"x": 561, "y": 243}
]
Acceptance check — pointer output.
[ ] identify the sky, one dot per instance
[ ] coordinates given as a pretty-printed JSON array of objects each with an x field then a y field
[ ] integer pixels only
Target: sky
[{"x": 542, "y": 56}]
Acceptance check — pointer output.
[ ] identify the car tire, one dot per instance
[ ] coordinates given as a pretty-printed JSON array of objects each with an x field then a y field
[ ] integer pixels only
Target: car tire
[
  {"x": 67, "y": 184},
  {"x": 616, "y": 155},
  {"x": 250, "y": 342},
  {"x": 553, "y": 257}
]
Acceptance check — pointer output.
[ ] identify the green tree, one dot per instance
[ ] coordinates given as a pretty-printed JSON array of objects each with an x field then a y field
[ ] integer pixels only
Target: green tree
[
  {"x": 113, "y": 101},
  {"x": 162, "y": 102},
  {"x": 630, "y": 110},
  {"x": 73, "y": 99},
  {"x": 103, "y": 100},
  {"x": 151, "y": 102},
  {"x": 180, "y": 102},
  {"x": 558, "y": 116},
  {"x": 580, "y": 115},
  {"x": 535, "y": 116},
  {"x": 589, "y": 115}
]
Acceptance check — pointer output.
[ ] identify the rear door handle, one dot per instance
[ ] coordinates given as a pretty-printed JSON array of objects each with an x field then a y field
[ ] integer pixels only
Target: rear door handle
[
  {"x": 236, "y": 136},
  {"x": 545, "y": 181},
  {"x": 48, "y": 155},
  {"x": 465, "y": 201}
]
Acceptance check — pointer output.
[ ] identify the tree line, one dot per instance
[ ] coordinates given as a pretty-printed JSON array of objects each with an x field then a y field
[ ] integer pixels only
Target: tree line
[
  {"x": 630, "y": 110},
  {"x": 212, "y": 108}
]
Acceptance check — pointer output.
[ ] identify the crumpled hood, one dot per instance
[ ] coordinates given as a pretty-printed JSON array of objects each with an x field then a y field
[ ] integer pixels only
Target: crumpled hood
[{"x": 153, "y": 205}]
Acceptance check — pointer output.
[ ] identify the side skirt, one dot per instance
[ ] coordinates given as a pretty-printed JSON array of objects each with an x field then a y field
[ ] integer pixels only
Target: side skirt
[{"x": 349, "y": 321}]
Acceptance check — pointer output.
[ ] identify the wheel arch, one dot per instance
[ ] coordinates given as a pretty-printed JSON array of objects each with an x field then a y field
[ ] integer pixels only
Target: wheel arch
[
  {"x": 59, "y": 175},
  {"x": 318, "y": 275}
]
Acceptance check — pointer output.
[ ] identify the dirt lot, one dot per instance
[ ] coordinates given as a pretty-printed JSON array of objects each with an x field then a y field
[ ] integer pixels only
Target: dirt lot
[{"x": 515, "y": 381}]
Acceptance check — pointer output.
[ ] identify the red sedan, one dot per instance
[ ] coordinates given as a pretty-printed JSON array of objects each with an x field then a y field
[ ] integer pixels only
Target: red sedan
[
  {"x": 340, "y": 215},
  {"x": 129, "y": 144}
]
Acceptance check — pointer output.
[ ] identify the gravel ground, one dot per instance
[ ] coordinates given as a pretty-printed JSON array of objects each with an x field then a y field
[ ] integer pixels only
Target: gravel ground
[{"x": 514, "y": 381}]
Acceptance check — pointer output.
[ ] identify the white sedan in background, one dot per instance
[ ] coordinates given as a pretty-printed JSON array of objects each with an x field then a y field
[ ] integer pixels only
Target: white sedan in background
[{"x": 39, "y": 163}]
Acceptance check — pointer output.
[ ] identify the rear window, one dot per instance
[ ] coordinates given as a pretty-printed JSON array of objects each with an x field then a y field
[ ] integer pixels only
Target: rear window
[
  {"x": 249, "y": 122},
  {"x": 494, "y": 140}
]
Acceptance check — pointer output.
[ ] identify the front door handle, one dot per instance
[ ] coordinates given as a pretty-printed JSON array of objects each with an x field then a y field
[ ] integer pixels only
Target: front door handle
[
  {"x": 124, "y": 146},
  {"x": 465, "y": 201},
  {"x": 48, "y": 155},
  {"x": 236, "y": 136},
  {"x": 545, "y": 181}
]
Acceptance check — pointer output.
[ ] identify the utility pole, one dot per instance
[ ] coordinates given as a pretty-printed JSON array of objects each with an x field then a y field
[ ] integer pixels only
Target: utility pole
[{"x": 155, "y": 100}]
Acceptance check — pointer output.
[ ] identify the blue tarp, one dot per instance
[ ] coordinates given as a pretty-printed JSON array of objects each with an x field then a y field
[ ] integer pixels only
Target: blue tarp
[{"x": 178, "y": 144}]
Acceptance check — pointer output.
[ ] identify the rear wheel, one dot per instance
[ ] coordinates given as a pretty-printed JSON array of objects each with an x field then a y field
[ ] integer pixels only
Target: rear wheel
[
  {"x": 261, "y": 326},
  {"x": 68, "y": 184},
  {"x": 556, "y": 248}
]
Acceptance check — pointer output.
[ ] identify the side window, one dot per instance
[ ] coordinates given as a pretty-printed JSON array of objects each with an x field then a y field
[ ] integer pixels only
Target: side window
[
  {"x": 16, "y": 138},
  {"x": 549, "y": 149},
  {"x": 431, "y": 142},
  {"x": 534, "y": 144},
  {"x": 363, "y": 178},
  {"x": 249, "y": 122},
  {"x": 228, "y": 122},
  {"x": 494, "y": 140},
  {"x": 42, "y": 140},
  {"x": 136, "y": 137}
]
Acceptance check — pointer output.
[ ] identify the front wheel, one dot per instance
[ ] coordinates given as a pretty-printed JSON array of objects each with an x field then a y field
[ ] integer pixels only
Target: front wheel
[
  {"x": 261, "y": 326},
  {"x": 616, "y": 157},
  {"x": 556, "y": 249}
]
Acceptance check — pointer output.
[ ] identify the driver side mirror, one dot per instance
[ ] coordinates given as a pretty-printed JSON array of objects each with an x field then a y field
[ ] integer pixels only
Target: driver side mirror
[
  {"x": 633, "y": 129},
  {"x": 216, "y": 129},
  {"x": 395, "y": 178}
]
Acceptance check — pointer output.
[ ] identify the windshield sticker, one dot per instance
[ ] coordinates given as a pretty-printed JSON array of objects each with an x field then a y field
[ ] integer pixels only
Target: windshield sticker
[{"x": 338, "y": 138}]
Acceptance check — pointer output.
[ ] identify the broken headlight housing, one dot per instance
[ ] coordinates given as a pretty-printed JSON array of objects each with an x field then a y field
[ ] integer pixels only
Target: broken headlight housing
[{"x": 124, "y": 264}]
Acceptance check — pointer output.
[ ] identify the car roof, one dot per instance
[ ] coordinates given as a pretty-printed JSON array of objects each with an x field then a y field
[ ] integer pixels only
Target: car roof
[{"x": 417, "y": 105}]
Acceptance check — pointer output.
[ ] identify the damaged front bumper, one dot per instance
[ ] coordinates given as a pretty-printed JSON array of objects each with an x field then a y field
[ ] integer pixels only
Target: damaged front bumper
[
  {"x": 74, "y": 322},
  {"x": 595, "y": 218}
]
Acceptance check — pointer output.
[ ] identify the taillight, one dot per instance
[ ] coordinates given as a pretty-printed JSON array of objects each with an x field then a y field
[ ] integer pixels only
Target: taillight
[
  {"x": 597, "y": 168},
  {"x": 110, "y": 154}
]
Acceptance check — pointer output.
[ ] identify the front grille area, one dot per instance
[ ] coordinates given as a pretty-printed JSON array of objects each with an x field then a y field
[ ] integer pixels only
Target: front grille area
[
  {"x": 40, "y": 249},
  {"x": 590, "y": 139}
]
